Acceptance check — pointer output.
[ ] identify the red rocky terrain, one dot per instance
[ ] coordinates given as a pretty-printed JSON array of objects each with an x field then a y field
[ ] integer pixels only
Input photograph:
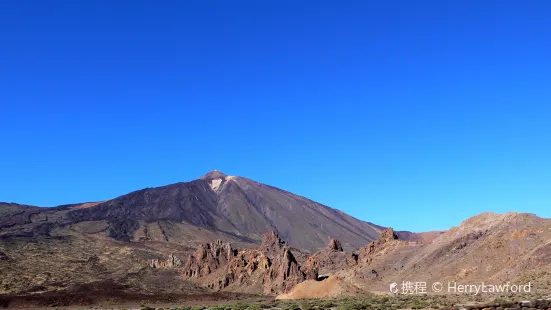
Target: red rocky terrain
[{"x": 269, "y": 269}]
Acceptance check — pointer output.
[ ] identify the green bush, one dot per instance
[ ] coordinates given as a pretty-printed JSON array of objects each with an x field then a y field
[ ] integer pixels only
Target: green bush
[
  {"x": 238, "y": 306},
  {"x": 254, "y": 307},
  {"x": 269, "y": 305},
  {"x": 306, "y": 306},
  {"x": 290, "y": 306},
  {"x": 351, "y": 305},
  {"x": 326, "y": 304},
  {"x": 418, "y": 304}
]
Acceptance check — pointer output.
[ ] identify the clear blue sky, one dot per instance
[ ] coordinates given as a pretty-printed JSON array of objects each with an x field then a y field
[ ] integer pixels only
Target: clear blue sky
[{"x": 411, "y": 114}]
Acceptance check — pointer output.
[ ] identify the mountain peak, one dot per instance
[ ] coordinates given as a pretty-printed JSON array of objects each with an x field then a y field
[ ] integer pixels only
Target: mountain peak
[{"x": 214, "y": 174}]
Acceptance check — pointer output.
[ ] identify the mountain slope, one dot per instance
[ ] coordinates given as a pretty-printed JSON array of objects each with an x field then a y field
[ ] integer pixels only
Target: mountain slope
[
  {"x": 255, "y": 208},
  {"x": 232, "y": 206}
]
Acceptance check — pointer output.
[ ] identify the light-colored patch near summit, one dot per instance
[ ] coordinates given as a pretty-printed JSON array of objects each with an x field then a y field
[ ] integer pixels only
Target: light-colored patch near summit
[{"x": 215, "y": 184}]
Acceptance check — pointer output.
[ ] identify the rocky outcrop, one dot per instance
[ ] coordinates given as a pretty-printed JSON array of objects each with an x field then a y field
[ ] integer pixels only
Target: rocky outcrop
[
  {"x": 332, "y": 258},
  {"x": 329, "y": 259},
  {"x": 311, "y": 269},
  {"x": 419, "y": 238},
  {"x": 271, "y": 242},
  {"x": 208, "y": 258},
  {"x": 3, "y": 256},
  {"x": 270, "y": 269},
  {"x": 387, "y": 235},
  {"x": 387, "y": 238},
  {"x": 171, "y": 262},
  {"x": 335, "y": 245},
  {"x": 352, "y": 259}
]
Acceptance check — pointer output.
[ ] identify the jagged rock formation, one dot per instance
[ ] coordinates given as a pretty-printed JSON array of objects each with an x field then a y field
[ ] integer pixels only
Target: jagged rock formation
[
  {"x": 335, "y": 245},
  {"x": 171, "y": 262},
  {"x": 207, "y": 258},
  {"x": 337, "y": 267},
  {"x": 332, "y": 258},
  {"x": 387, "y": 238},
  {"x": 329, "y": 259},
  {"x": 271, "y": 267},
  {"x": 3, "y": 256},
  {"x": 352, "y": 259},
  {"x": 387, "y": 235}
]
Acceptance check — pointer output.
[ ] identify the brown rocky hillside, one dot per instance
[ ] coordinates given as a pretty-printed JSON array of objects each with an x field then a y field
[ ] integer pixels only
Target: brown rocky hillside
[
  {"x": 494, "y": 248},
  {"x": 490, "y": 248}
]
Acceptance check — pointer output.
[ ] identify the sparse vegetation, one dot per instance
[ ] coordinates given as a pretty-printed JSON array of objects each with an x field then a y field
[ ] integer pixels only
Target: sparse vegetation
[
  {"x": 290, "y": 306},
  {"x": 254, "y": 306},
  {"x": 366, "y": 302}
]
